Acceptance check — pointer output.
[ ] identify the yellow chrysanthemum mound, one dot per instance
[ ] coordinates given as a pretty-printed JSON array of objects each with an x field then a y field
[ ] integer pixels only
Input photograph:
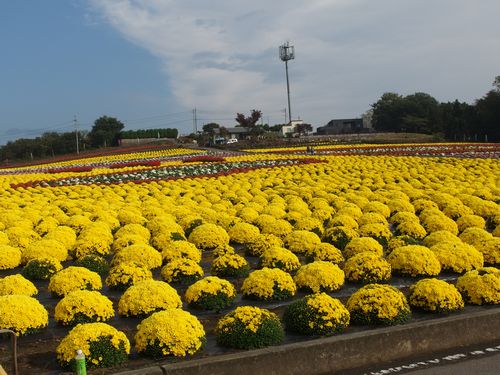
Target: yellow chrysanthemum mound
[
  {"x": 127, "y": 240},
  {"x": 377, "y": 207},
  {"x": 243, "y": 233},
  {"x": 22, "y": 314},
  {"x": 17, "y": 284},
  {"x": 316, "y": 314},
  {"x": 146, "y": 297},
  {"x": 262, "y": 243},
  {"x": 211, "y": 293},
  {"x": 41, "y": 268},
  {"x": 184, "y": 271},
  {"x": 279, "y": 257},
  {"x": 172, "y": 332},
  {"x": 378, "y": 304},
  {"x": 490, "y": 248},
  {"x": 344, "y": 221},
  {"x": 142, "y": 254},
  {"x": 439, "y": 236},
  {"x": 457, "y": 256},
  {"x": 229, "y": 264},
  {"x": 327, "y": 252},
  {"x": 379, "y": 232},
  {"x": 135, "y": 229},
  {"x": 320, "y": 276},
  {"x": 4, "y": 239},
  {"x": 10, "y": 257},
  {"x": 339, "y": 236},
  {"x": 45, "y": 248},
  {"x": 367, "y": 267},
  {"x": 301, "y": 241},
  {"x": 208, "y": 236},
  {"x": 412, "y": 229},
  {"x": 480, "y": 287},
  {"x": 363, "y": 244},
  {"x": 249, "y": 327},
  {"x": 414, "y": 260},
  {"x": 74, "y": 278},
  {"x": 83, "y": 306},
  {"x": 470, "y": 221},
  {"x": 181, "y": 249},
  {"x": 126, "y": 274},
  {"x": 435, "y": 295},
  {"x": 21, "y": 237},
  {"x": 269, "y": 284},
  {"x": 433, "y": 223},
  {"x": 102, "y": 345},
  {"x": 64, "y": 234}
]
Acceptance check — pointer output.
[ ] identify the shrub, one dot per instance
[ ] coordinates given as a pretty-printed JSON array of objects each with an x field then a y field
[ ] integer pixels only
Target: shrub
[
  {"x": 172, "y": 332},
  {"x": 435, "y": 296},
  {"x": 180, "y": 249},
  {"x": 142, "y": 254},
  {"x": 230, "y": 265},
  {"x": 325, "y": 251},
  {"x": 183, "y": 271},
  {"x": 262, "y": 243},
  {"x": 17, "y": 284},
  {"x": 102, "y": 344},
  {"x": 379, "y": 232},
  {"x": 339, "y": 236},
  {"x": 301, "y": 241},
  {"x": 74, "y": 278},
  {"x": 414, "y": 260},
  {"x": 469, "y": 221},
  {"x": 22, "y": 314},
  {"x": 211, "y": 293},
  {"x": 378, "y": 304},
  {"x": 10, "y": 257},
  {"x": 45, "y": 248},
  {"x": 457, "y": 256},
  {"x": 269, "y": 284},
  {"x": 126, "y": 274},
  {"x": 279, "y": 257},
  {"x": 412, "y": 229},
  {"x": 249, "y": 327},
  {"x": 480, "y": 286},
  {"x": 367, "y": 267},
  {"x": 83, "y": 306},
  {"x": 399, "y": 241},
  {"x": 146, "y": 297},
  {"x": 440, "y": 236},
  {"x": 94, "y": 263},
  {"x": 208, "y": 236},
  {"x": 41, "y": 268},
  {"x": 320, "y": 276},
  {"x": 316, "y": 314},
  {"x": 362, "y": 244},
  {"x": 243, "y": 233}
]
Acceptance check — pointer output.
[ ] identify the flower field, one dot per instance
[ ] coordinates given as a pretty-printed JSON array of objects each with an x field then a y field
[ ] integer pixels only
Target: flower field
[{"x": 177, "y": 253}]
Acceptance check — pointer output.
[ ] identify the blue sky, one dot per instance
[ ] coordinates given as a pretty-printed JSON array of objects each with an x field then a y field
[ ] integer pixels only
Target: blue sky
[{"x": 150, "y": 62}]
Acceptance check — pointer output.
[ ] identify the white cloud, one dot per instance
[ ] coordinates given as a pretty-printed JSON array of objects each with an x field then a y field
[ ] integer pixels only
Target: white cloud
[{"x": 222, "y": 55}]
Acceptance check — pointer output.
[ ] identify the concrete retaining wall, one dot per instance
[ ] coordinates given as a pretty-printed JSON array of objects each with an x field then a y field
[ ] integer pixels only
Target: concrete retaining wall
[{"x": 339, "y": 353}]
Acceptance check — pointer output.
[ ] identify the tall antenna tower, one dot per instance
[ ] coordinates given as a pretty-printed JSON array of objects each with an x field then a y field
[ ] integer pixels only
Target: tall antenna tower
[{"x": 287, "y": 52}]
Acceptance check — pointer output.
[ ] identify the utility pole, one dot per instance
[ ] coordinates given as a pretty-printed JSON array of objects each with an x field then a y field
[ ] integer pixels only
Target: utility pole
[
  {"x": 76, "y": 135},
  {"x": 287, "y": 52},
  {"x": 195, "y": 122}
]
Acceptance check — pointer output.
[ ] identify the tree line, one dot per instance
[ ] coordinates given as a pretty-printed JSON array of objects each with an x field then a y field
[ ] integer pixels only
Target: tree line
[
  {"x": 105, "y": 132},
  {"x": 455, "y": 121}
]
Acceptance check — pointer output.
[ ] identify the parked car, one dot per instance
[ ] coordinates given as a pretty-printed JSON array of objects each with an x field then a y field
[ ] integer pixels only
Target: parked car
[{"x": 232, "y": 140}]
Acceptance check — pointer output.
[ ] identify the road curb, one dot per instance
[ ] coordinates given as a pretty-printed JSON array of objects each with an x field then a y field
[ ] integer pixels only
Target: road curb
[{"x": 347, "y": 351}]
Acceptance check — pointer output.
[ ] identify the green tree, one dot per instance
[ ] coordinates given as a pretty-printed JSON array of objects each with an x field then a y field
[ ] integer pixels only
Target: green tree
[
  {"x": 105, "y": 132},
  {"x": 388, "y": 112},
  {"x": 250, "y": 121},
  {"x": 488, "y": 110}
]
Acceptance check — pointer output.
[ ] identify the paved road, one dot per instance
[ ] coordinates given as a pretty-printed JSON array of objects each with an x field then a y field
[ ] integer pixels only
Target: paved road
[{"x": 489, "y": 365}]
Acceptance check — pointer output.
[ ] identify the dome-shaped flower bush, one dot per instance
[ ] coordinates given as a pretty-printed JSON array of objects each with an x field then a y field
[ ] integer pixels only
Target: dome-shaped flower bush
[
  {"x": 269, "y": 284},
  {"x": 457, "y": 256},
  {"x": 379, "y": 232},
  {"x": 372, "y": 218},
  {"x": 342, "y": 221},
  {"x": 10, "y": 257},
  {"x": 310, "y": 224},
  {"x": 45, "y": 248},
  {"x": 83, "y": 306},
  {"x": 414, "y": 260},
  {"x": 102, "y": 345},
  {"x": 280, "y": 228},
  {"x": 74, "y": 278},
  {"x": 378, "y": 304},
  {"x": 440, "y": 236},
  {"x": 133, "y": 228},
  {"x": 183, "y": 271},
  {"x": 399, "y": 241},
  {"x": 21, "y": 237},
  {"x": 262, "y": 243},
  {"x": 412, "y": 229},
  {"x": 41, "y": 268},
  {"x": 94, "y": 263},
  {"x": 378, "y": 207},
  {"x": 301, "y": 241},
  {"x": 316, "y": 314},
  {"x": 320, "y": 276},
  {"x": 64, "y": 234},
  {"x": 435, "y": 295},
  {"x": 279, "y": 257},
  {"x": 180, "y": 249},
  {"x": 211, "y": 293},
  {"x": 242, "y": 233},
  {"x": 17, "y": 284},
  {"x": 325, "y": 251},
  {"x": 480, "y": 287},
  {"x": 146, "y": 297},
  {"x": 470, "y": 221},
  {"x": 22, "y": 314},
  {"x": 367, "y": 267},
  {"x": 127, "y": 240},
  {"x": 126, "y": 274},
  {"x": 362, "y": 244},
  {"x": 230, "y": 264},
  {"x": 249, "y": 327},
  {"x": 490, "y": 248},
  {"x": 171, "y": 332},
  {"x": 208, "y": 236},
  {"x": 141, "y": 254},
  {"x": 434, "y": 223},
  {"x": 339, "y": 236}
]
